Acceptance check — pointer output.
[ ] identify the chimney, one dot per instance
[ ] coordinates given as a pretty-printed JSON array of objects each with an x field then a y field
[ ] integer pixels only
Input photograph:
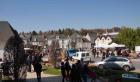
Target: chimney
[{"x": 106, "y": 31}]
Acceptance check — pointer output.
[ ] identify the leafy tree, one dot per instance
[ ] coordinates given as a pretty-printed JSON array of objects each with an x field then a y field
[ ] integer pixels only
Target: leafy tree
[
  {"x": 137, "y": 32},
  {"x": 128, "y": 36}
]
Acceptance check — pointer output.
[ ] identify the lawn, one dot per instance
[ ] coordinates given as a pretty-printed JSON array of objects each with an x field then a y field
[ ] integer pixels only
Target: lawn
[{"x": 51, "y": 70}]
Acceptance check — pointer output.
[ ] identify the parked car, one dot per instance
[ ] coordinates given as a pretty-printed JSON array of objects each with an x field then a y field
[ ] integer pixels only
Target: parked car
[
  {"x": 116, "y": 63},
  {"x": 82, "y": 55}
]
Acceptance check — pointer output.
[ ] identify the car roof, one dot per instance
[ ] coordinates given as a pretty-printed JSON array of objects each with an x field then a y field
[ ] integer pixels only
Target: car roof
[{"x": 119, "y": 57}]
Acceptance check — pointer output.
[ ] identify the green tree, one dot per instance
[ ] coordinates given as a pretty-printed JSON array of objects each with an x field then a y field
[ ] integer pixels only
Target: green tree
[{"x": 127, "y": 36}]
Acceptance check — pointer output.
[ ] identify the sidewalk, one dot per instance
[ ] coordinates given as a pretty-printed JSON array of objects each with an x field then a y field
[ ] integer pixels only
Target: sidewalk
[{"x": 31, "y": 77}]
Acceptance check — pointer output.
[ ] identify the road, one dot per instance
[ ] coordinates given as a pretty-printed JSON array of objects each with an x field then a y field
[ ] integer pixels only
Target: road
[{"x": 136, "y": 62}]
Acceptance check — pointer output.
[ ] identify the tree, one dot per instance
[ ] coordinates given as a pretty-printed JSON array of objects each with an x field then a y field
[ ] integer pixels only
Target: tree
[
  {"x": 53, "y": 56},
  {"x": 137, "y": 32},
  {"x": 127, "y": 36},
  {"x": 40, "y": 32},
  {"x": 34, "y": 33}
]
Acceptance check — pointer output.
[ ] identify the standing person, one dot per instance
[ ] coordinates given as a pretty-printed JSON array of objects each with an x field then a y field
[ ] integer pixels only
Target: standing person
[
  {"x": 73, "y": 73},
  {"x": 94, "y": 52},
  {"x": 38, "y": 70},
  {"x": 103, "y": 56},
  {"x": 63, "y": 72},
  {"x": 85, "y": 72},
  {"x": 78, "y": 71},
  {"x": 29, "y": 62},
  {"x": 67, "y": 67}
]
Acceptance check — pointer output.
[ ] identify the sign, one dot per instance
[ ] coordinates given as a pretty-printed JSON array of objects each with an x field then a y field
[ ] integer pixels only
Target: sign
[{"x": 130, "y": 76}]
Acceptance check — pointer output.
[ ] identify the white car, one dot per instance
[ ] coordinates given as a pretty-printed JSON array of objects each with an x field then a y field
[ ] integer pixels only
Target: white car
[{"x": 115, "y": 62}]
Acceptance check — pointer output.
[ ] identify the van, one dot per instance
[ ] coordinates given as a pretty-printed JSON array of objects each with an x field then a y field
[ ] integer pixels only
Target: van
[{"x": 85, "y": 56}]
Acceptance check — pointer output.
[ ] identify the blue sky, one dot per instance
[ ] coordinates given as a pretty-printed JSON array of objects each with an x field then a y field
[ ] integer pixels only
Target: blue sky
[{"x": 28, "y": 15}]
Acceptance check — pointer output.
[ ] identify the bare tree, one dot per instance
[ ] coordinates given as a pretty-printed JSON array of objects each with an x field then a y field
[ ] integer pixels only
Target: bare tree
[{"x": 53, "y": 55}]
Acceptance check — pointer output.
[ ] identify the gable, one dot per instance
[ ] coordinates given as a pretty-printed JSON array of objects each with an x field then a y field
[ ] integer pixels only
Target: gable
[{"x": 6, "y": 32}]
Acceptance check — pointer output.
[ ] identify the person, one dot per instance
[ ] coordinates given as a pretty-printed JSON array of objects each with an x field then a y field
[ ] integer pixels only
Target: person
[
  {"x": 67, "y": 67},
  {"x": 92, "y": 75},
  {"x": 103, "y": 56},
  {"x": 85, "y": 72},
  {"x": 73, "y": 73},
  {"x": 63, "y": 72},
  {"x": 38, "y": 70},
  {"x": 78, "y": 71},
  {"x": 29, "y": 62},
  {"x": 94, "y": 52}
]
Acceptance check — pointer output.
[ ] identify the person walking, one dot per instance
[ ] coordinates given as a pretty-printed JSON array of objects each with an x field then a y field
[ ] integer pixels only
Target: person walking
[
  {"x": 38, "y": 70},
  {"x": 63, "y": 71}
]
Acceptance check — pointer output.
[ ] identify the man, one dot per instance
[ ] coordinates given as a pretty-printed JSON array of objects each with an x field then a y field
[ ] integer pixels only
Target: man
[{"x": 38, "y": 70}]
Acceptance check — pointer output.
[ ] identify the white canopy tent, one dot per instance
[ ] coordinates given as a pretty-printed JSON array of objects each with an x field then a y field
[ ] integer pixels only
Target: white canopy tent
[
  {"x": 117, "y": 45},
  {"x": 113, "y": 45}
]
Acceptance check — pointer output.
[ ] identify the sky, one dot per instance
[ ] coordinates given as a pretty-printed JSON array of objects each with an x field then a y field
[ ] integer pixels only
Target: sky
[{"x": 29, "y": 15}]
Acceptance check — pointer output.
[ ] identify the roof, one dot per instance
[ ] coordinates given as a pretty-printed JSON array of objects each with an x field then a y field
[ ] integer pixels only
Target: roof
[
  {"x": 6, "y": 32},
  {"x": 38, "y": 38}
]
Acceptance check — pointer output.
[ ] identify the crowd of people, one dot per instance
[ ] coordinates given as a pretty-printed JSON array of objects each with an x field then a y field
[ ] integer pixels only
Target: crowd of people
[
  {"x": 73, "y": 72},
  {"x": 76, "y": 72},
  {"x": 104, "y": 53}
]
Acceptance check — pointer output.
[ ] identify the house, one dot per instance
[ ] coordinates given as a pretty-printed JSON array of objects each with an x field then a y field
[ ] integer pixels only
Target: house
[
  {"x": 12, "y": 51},
  {"x": 103, "y": 40},
  {"x": 81, "y": 42},
  {"x": 62, "y": 40},
  {"x": 38, "y": 41},
  {"x": 76, "y": 41},
  {"x": 6, "y": 32},
  {"x": 26, "y": 37},
  {"x": 86, "y": 42}
]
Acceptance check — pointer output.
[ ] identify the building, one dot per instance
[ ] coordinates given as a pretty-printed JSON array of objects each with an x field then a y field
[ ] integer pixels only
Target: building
[
  {"x": 62, "y": 40},
  {"x": 12, "y": 52}
]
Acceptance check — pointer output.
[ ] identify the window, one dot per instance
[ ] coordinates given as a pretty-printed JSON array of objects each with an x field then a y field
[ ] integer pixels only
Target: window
[
  {"x": 83, "y": 54},
  {"x": 77, "y": 55},
  {"x": 111, "y": 60},
  {"x": 87, "y": 54},
  {"x": 121, "y": 59}
]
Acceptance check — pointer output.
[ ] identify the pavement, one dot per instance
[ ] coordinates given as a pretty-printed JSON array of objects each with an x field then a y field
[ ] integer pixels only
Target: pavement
[{"x": 31, "y": 77}]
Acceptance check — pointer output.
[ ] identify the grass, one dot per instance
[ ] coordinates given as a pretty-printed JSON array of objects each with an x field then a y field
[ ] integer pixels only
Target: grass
[{"x": 51, "y": 70}]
